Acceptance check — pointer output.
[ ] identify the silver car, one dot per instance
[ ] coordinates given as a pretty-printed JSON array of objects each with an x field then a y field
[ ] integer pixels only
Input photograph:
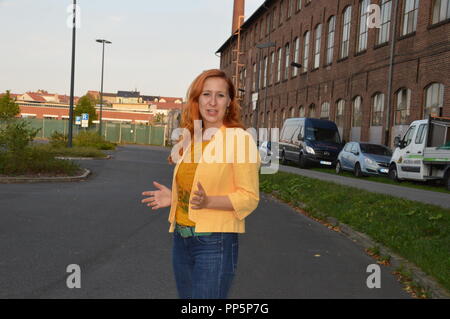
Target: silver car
[
  {"x": 265, "y": 152},
  {"x": 364, "y": 159}
]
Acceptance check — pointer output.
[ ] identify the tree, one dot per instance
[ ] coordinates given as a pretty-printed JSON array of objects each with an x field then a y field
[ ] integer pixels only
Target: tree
[
  {"x": 86, "y": 104},
  {"x": 160, "y": 118},
  {"x": 8, "y": 108}
]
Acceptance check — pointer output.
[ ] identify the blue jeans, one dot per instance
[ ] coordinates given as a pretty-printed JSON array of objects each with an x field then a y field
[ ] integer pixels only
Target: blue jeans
[{"x": 204, "y": 266}]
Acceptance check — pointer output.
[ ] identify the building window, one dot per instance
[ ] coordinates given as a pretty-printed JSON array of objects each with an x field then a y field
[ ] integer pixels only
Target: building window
[
  {"x": 280, "y": 20},
  {"x": 340, "y": 113},
  {"x": 265, "y": 72},
  {"x": 279, "y": 66},
  {"x": 325, "y": 111},
  {"x": 289, "y": 9},
  {"x": 434, "y": 100},
  {"x": 363, "y": 29},
  {"x": 403, "y": 97},
  {"x": 357, "y": 112},
  {"x": 296, "y": 55},
  {"x": 441, "y": 10},
  {"x": 301, "y": 111},
  {"x": 254, "y": 78},
  {"x": 312, "y": 110},
  {"x": 286, "y": 68},
  {"x": 330, "y": 39},
  {"x": 261, "y": 34},
  {"x": 292, "y": 112},
  {"x": 377, "y": 110},
  {"x": 383, "y": 32},
  {"x": 272, "y": 65},
  {"x": 260, "y": 72},
  {"x": 305, "y": 51},
  {"x": 268, "y": 21},
  {"x": 299, "y": 5},
  {"x": 410, "y": 16},
  {"x": 346, "y": 32},
  {"x": 318, "y": 35},
  {"x": 274, "y": 18}
]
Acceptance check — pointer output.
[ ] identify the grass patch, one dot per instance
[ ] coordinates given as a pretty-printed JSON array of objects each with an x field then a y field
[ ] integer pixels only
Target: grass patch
[
  {"x": 429, "y": 186},
  {"x": 418, "y": 232}
]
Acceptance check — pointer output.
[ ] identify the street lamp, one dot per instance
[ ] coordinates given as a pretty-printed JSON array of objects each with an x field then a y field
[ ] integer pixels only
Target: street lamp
[
  {"x": 103, "y": 41},
  {"x": 72, "y": 75}
]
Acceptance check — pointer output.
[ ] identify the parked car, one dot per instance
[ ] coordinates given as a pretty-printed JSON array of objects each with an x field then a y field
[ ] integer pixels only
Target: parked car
[
  {"x": 265, "y": 152},
  {"x": 364, "y": 159},
  {"x": 309, "y": 141}
]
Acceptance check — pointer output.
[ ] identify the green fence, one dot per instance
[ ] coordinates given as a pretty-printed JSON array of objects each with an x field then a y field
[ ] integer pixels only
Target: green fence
[{"x": 113, "y": 132}]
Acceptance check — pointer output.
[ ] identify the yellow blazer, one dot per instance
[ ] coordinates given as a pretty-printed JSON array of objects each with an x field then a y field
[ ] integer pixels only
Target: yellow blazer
[{"x": 236, "y": 176}]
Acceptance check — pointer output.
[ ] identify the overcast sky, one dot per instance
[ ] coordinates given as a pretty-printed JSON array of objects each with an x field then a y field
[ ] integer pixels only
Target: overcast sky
[{"x": 158, "y": 47}]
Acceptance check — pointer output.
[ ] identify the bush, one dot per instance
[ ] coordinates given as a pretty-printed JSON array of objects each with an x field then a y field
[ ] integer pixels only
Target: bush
[
  {"x": 92, "y": 139},
  {"x": 34, "y": 160},
  {"x": 58, "y": 139},
  {"x": 16, "y": 135}
]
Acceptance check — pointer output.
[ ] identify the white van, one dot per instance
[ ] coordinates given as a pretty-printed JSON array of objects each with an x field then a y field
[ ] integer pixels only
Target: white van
[{"x": 424, "y": 152}]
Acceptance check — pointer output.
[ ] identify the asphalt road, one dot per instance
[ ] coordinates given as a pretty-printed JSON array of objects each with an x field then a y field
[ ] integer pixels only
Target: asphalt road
[{"x": 123, "y": 248}]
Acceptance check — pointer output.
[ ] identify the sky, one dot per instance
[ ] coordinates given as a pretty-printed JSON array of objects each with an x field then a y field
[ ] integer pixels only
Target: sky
[{"x": 158, "y": 47}]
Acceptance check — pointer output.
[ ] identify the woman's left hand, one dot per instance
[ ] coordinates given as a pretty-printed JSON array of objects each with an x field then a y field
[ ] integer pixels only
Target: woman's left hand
[{"x": 199, "y": 201}]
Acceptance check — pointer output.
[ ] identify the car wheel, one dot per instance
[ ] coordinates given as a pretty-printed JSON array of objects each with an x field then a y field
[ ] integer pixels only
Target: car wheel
[
  {"x": 393, "y": 173},
  {"x": 302, "y": 161},
  {"x": 338, "y": 168},
  {"x": 358, "y": 172}
]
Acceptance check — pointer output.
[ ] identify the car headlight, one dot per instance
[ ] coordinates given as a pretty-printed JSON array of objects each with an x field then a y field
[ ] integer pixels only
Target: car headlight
[
  {"x": 310, "y": 150},
  {"x": 370, "y": 162}
]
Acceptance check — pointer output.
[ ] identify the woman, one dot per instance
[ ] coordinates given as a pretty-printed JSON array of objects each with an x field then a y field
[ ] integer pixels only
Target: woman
[{"x": 209, "y": 200}]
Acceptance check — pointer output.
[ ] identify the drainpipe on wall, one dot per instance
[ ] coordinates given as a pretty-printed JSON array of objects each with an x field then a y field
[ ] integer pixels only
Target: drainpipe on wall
[{"x": 393, "y": 34}]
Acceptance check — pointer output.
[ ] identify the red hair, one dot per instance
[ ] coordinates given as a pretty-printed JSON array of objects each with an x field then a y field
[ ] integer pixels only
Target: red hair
[{"x": 191, "y": 110}]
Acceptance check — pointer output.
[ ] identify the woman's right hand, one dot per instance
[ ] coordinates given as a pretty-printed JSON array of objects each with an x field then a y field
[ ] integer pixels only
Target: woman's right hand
[{"x": 159, "y": 198}]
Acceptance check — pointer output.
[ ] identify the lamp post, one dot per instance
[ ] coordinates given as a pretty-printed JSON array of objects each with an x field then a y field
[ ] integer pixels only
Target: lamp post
[
  {"x": 72, "y": 76},
  {"x": 102, "y": 41}
]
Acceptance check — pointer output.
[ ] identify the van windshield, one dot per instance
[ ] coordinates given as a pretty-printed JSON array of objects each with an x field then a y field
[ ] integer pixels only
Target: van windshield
[
  {"x": 375, "y": 149},
  {"x": 322, "y": 135}
]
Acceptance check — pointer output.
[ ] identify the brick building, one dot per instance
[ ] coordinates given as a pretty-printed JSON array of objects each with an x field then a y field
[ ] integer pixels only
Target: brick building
[{"x": 371, "y": 81}]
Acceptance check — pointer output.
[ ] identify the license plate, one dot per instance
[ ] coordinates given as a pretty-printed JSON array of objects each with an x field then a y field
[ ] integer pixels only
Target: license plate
[
  {"x": 384, "y": 170},
  {"x": 325, "y": 163}
]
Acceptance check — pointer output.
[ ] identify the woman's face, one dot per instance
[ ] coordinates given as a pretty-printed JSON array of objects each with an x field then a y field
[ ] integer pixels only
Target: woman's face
[{"x": 213, "y": 102}]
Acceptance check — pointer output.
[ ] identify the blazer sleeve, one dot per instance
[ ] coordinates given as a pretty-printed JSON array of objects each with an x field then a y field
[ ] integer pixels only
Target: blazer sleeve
[{"x": 245, "y": 198}]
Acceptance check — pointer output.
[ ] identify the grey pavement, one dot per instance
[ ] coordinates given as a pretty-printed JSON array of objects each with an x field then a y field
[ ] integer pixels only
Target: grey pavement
[
  {"x": 414, "y": 194},
  {"x": 124, "y": 249}
]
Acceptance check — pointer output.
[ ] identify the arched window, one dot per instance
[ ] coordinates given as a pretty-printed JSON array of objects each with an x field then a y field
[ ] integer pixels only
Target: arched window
[
  {"x": 403, "y": 102},
  {"x": 272, "y": 65},
  {"x": 377, "y": 109},
  {"x": 434, "y": 99},
  {"x": 283, "y": 115},
  {"x": 305, "y": 51},
  {"x": 301, "y": 111},
  {"x": 383, "y": 32},
  {"x": 325, "y": 111},
  {"x": 312, "y": 110},
  {"x": 410, "y": 12},
  {"x": 286, "y": 61},
  {"x": 296, "y": 55},
  {"x": 363, "y": 29},
  {"x": 340, "y": 108},
  {"x": 347, "y": 20},
  {"x": 357, "y": 112},
  {"x": 441, "y": 10},
  {"x": 330, "y": 39},
  {"x": 291, "y": 112},
  {"x": 318, "y": 36},
  {"x": 279, "y": 66}
]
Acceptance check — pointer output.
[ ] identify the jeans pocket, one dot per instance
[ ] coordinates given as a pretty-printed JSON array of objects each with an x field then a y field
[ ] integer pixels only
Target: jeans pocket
[{"x": 213, "y": 239}]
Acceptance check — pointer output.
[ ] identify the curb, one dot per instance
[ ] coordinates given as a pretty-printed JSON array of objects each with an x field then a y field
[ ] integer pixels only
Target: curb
[
  {"x": 10, "y": 180},
  {"x": 364, "y": 241},
  {"x": 84, "y": 158}
]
